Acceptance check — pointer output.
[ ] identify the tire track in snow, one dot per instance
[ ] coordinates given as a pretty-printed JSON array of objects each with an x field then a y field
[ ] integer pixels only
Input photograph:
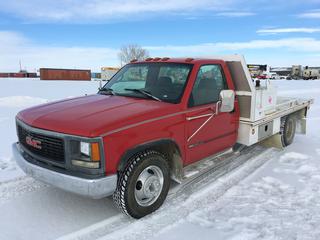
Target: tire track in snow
[{"x": 177, "y": 207}]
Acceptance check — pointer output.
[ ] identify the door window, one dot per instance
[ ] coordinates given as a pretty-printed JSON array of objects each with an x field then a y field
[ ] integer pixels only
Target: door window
[{"x": 208, "y": 85}]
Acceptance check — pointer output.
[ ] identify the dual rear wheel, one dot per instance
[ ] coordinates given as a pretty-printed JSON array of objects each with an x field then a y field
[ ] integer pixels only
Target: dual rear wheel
[{"x": 287, "y": 130}]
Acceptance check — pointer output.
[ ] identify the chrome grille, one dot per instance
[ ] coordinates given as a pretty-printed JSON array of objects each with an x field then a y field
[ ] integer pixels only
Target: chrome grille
[{"x": 52, "y": 148}]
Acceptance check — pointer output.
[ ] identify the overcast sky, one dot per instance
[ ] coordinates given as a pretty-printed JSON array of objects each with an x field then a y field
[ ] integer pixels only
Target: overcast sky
[{"x": 88, "y": 34}]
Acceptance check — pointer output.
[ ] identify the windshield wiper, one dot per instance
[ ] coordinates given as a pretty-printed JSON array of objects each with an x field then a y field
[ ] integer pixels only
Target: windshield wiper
[
  {"x": 107, "y": 91},
  {"x": 144, "y": 92}
]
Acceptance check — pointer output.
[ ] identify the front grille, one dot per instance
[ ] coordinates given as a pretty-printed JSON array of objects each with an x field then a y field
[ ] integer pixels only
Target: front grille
[{"x": 52, "y": 148}]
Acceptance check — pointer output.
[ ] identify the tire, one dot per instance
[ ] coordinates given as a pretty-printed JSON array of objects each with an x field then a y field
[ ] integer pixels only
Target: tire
[
  {"x": 287, "y": 130},
  {"x": 143, "y": 185}
]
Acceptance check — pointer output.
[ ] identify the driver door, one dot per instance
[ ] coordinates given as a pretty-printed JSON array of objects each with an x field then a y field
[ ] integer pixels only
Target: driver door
[{"x": 208, "y": 131}]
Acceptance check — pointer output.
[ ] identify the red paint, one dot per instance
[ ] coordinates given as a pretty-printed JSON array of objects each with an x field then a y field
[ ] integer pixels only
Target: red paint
[{"x": 125, "y": 122}]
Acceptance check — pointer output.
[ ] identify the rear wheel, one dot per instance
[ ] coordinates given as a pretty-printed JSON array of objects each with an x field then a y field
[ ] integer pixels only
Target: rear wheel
[
  {"x": 288, "y": 130},
  {"x": 143, "y": 185}
]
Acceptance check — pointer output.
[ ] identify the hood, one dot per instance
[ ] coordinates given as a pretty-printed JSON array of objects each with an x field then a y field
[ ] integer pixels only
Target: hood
[{"x": 93, "y": 115}]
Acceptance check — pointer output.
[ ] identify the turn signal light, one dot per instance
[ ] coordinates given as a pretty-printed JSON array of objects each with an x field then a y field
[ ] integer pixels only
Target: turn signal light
[{"x": 95, "y": 152}]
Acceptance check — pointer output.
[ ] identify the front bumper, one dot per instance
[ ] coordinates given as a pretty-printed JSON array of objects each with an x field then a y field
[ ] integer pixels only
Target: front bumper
[{"x": 93, "y": 188}]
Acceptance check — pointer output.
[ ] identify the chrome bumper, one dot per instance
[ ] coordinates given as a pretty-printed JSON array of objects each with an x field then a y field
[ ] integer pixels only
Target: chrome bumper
[{"x": 93, "y": 188}]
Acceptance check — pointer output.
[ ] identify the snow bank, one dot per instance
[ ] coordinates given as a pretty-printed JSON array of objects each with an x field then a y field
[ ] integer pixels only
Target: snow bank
[{"x": 20, "y": 101}]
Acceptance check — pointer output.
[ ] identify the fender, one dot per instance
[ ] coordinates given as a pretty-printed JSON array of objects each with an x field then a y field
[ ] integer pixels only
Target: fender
[{"x": 168, "y": 147}]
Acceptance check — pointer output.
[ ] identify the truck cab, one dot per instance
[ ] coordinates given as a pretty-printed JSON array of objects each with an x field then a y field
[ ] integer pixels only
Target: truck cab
[{"x": 143, "y": 128}]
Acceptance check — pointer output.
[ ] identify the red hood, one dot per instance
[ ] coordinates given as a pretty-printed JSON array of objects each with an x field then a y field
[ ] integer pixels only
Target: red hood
[{"x": 93, "y": 115}]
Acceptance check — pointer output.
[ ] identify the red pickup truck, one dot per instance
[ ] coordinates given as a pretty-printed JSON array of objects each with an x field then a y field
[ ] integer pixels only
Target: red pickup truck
[{"x": 152, "y": 120}]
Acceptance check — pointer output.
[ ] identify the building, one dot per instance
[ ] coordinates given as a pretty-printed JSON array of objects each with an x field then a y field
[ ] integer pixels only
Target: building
[
  {"x": 296, "y": 72},
  {"x": 281, "y": 71}
]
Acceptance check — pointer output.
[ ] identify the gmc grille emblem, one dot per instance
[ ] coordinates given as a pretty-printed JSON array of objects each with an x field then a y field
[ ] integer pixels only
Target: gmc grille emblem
[{"x": 33, "y": 142}]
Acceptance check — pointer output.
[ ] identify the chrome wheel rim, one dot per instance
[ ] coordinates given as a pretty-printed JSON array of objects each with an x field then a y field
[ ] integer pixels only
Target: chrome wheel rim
[{"x": 149, "y": 186}]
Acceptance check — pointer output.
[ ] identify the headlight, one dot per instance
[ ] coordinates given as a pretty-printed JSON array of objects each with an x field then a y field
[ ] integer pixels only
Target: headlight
[
  {"x": 85, "y": 148},
  {"x": 85, "y": 154}
]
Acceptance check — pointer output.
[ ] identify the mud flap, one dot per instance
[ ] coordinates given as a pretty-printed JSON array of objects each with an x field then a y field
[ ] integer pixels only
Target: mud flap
[
  {"x": 302, "y": 126},
  {"x": 273, "y": 141}
]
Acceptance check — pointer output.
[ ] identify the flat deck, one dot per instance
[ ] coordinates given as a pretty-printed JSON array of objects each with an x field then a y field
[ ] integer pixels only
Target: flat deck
[{"x": 285, "y": 106}]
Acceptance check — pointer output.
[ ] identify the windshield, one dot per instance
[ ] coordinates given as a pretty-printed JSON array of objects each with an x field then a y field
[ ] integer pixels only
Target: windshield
[{"x": 161, "y": 81}]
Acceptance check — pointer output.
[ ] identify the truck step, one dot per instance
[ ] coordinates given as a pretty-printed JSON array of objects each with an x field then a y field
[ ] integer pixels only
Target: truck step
[
  {"x": 205, "y": 165},
  {"x": 215, "y": 167}
]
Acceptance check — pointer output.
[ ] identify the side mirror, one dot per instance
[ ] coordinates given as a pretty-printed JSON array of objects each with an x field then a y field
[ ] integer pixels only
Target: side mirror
[{"x": 227, "y": 98}]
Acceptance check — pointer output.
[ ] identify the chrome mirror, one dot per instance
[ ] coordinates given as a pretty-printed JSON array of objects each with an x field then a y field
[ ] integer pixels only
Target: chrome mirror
[{"x": 227, "y": 98}]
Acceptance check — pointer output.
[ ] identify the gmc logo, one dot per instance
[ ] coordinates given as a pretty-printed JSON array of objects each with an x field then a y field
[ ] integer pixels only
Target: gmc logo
[{"x": 33, "y": 142}]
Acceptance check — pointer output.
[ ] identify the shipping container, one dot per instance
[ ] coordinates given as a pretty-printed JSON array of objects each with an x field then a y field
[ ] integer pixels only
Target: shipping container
[
  {"x": 65, "y": 74},
  {"x": 4, "y": 75},
  {"x": 18, "y": 75},
  {"x": 31, "y": 75}
]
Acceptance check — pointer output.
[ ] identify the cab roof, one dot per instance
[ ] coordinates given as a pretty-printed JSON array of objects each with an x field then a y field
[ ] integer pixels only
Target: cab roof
[{"x": 175, "y": 60}]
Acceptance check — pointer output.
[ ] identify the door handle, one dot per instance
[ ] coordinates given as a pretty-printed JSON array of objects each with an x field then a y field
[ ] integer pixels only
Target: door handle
[{"x": 199, "y": 116}]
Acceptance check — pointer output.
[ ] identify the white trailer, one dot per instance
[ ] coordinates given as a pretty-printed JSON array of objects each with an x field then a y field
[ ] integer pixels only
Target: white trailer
[
  {"x": 108, "y": 72},
  {"x": 310, "y": 73}
]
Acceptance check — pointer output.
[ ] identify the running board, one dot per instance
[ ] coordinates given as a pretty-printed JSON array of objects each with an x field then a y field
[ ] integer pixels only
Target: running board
[
  {"x": 199, "y": 168},
  {"x": 216, "y": 166}
]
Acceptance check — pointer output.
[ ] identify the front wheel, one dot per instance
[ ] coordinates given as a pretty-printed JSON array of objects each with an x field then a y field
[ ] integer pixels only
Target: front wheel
[{"x": 143, "y": 185}]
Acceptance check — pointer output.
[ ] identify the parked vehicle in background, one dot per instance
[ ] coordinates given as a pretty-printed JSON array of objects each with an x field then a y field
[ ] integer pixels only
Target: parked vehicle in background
[
  {"x": 263, "y": 76},
  {"x": 274, "y": 76},
  {"x": 153, "y": 123}
]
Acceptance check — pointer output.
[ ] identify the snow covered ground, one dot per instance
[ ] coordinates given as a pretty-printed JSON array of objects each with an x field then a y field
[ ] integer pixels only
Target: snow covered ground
[{"x": 274, "y": 195}]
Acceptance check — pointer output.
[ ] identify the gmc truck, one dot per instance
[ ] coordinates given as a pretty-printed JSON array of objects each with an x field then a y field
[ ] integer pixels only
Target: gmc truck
[{"x": 149, "y": 124}]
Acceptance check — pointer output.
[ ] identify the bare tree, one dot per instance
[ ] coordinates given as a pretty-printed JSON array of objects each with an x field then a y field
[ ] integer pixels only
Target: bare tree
[{"x": 130, "y": 52}]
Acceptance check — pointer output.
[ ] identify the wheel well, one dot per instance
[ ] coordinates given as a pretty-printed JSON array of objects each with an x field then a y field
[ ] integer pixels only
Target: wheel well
[
  {"x": 167, "y": 147},
  {"x": 302, "y": 113}
]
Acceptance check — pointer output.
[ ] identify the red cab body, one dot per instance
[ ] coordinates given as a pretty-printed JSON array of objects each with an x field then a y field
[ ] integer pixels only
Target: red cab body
[{"x": 125, "y": 123}]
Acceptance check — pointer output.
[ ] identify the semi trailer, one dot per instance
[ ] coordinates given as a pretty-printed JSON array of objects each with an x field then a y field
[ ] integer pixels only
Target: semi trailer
[
  {"x": 311, "y": 73},
  {"x": 149, "y": 125}
]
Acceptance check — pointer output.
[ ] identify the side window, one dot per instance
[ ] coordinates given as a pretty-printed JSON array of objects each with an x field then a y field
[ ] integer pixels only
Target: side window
[{"x": 208, "y": 85}]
